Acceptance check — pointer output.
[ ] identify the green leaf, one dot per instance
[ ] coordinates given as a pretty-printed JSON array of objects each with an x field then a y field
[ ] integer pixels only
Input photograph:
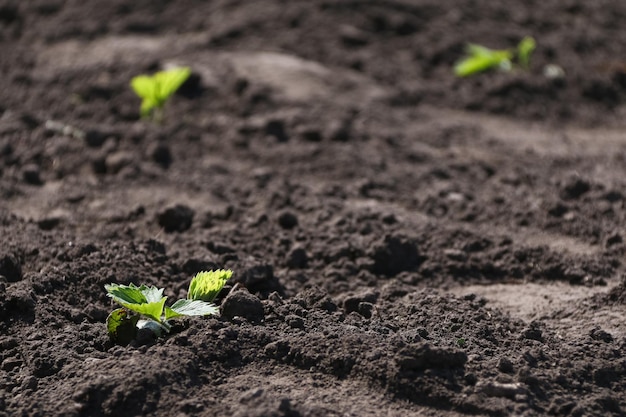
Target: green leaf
[
  {"x": 190, "y": 308},
  {"x": 169, "y": 81},
  {"x": 478, "y": 50},
  {"x": 154, "y": 90},
  {"x": 525, "y": 50},
  {"x": 144, "y": 86},
  {"x": 122, "y": 328},
  {"x": 206, "y": 285},
  {"x": 148, "y": 301},
  {"x": 147, "y": 105},
  {"x": 482, "y": 59}
]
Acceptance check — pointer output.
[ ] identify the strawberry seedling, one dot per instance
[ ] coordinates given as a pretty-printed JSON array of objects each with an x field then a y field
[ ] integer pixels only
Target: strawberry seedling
[
  {"x": 148, "y": 305},
  {"x": 154, "y": 90},
  {"x": 480, "y": 58}
]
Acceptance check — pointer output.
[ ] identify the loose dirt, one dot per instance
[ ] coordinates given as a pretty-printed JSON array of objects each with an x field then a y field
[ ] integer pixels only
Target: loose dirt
[{"x": 420, "y": 244}]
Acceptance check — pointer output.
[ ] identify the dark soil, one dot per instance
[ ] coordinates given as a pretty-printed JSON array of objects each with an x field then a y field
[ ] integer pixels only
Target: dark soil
[{"x": 405, "y": 242}]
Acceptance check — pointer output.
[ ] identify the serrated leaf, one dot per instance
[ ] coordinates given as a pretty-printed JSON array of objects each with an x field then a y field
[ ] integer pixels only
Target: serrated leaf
[
  {"x": 152, "y": 294},
  {"x": 134, "y": 294},
  {"x": 148, "y": 301},
  {"x": 125, "y": 293},
  {"x": 190, "y": 308},
  {"x": 207, "y": 284},
  {"x": 121, "y": 326}
]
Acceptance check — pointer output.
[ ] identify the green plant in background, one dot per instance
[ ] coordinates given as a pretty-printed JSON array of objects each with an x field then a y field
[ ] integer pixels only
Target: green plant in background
[
  {"x": 480, "y": 58},
  {"x": 148, "y": 304},
  {"x": 525, "y": 50},
  {"x": 154, "y": 90}
]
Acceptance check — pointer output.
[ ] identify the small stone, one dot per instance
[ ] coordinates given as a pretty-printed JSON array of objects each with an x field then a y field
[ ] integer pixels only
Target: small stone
[
  {"x": 558, "y": 210},
  {"x": 394, "y": 254},
  {"x": 49, "y": 223},
  {"x": 251, "y": 394},
  {"x": 339, "y": 131},
  {"x": 352, "y": 36},
  {"x": 193, "y": 266},
  {"x": 599, "y": 334},
  {"x": 116, "y": 161},
  {"x": 287, "y": 220},
  {"x": 389, "y": 219},
  {"x": 574, "y": 188},
  {"x": 243, "y": 304},
  {"x": 10, "y": 268},
  {"x": 219, "y": 248},
  {"x": 613, "y": 196},
  {"x": 294, "y": 321},
  {"x": 6, "y": 149},
  {"x": 32, "y": 174},
  {"x": 94, "y": 138},
  {"x": 614, "y": 239},
  {"x": 424, "y": 356},
  {"x": 297, "y": 258},
  {"x": 310, "y": 134},
  {"x": 471, "y": 379},
  {"x": 155, "y": 246},
  {"x": 575, "y": 275},
  {"x": 498, "y": 389},
  {"x": 533, "y": 332},
  {"x": 366, "y": 309},
  {"x": 176, "y": 219},
  {"x": 276, "y": 128},
  {"x": 29, "y": 383},
  {"x": 11, "y": 363},
  {"x": 354, "y": 302},
  {"x": 75, "y": 196},
  {"x": 160, "y": 154},
  {"x": 455, "y": 254},
  {"x": 505, "y": 365}
]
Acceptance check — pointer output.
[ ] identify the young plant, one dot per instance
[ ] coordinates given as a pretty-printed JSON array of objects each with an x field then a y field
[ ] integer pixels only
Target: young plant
[
  {"x": 524, "y": 51},
  {"x": 154, "y": 90},
  {"x": 150, "y": 311},
  {"x": 482, "y": 59}
]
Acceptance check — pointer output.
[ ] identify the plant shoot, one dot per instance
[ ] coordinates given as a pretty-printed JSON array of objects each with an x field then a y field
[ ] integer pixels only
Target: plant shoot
[
  {"x": 480, "y": 58},
  {"x": 148, "y": 305},
  {"x": 154, "y": 90}
]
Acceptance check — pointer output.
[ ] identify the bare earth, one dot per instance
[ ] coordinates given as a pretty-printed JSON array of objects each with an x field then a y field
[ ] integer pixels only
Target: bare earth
[{"x": 418, "y": 244}]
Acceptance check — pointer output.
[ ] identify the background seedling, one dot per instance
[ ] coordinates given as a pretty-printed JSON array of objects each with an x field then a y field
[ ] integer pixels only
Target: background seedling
[
  {"x": 148, "y": 304},
  {"x": 524, "y": 51},
  {"x": 481, "y": 58},
  {"x": 154, "y": 90}
]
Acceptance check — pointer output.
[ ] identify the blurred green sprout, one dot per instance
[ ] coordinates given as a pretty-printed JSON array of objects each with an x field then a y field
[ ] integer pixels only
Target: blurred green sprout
[
  {"x": 480, "y": 58},
  {"x": 154, "y": 90}
]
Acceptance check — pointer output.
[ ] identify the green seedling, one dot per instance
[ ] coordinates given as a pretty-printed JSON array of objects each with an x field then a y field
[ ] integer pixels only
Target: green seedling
[
  {"x": 525, "y": 50},
  {"x": 480, "y": 58},
  {"x": 144, "y": 306},
  {"x": 154, "y": 90}
]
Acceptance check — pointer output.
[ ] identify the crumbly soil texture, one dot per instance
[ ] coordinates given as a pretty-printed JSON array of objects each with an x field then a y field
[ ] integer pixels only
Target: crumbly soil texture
[{"x": 404, "y": 242}]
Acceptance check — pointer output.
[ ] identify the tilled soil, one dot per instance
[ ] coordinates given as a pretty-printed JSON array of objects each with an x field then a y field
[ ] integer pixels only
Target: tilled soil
[{"x": 404, "y": 242}]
